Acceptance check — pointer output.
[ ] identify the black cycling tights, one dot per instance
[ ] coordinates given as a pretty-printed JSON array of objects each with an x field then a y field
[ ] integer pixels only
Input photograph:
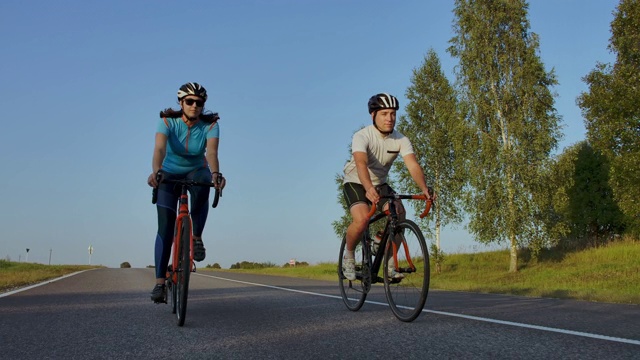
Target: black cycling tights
[{"x": 168, "y": 195}]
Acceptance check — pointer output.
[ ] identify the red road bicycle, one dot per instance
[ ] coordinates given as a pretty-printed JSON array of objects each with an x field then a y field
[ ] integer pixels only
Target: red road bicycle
[
  {"x": 402, "y": 254},
  {"x": 182, "y": 265}
]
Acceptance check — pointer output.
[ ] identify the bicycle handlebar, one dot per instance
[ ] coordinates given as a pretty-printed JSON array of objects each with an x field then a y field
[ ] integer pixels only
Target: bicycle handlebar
[
  {"x": 187, "y": 182},
  {"x": 427, "y": 206}
]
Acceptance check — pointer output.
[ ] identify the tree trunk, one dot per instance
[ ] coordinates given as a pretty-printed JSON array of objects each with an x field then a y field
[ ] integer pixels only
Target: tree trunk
[{"x": 513, "y": 255}]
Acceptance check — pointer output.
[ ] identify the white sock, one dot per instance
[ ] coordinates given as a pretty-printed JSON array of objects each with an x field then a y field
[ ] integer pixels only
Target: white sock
[{"x": 349, "y": 254}]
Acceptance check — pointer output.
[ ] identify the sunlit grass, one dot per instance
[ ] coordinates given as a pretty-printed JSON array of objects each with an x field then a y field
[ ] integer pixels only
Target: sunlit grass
[
  {"x": 607, "y": 274},
  {"x": 17, "y": 274}
]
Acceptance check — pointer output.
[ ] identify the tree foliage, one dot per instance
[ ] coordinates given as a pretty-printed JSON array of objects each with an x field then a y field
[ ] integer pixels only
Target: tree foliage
[
  {"x": 297, "y": 264},
  {"x": 582, "y": 210},
  {"x": 611, "y": 109},
  {"x": 437, "y": 134},
  {"x": 251, "y": 265},
  {"x": 508, "y": 103},
  {"x": 340, "y": 225}
]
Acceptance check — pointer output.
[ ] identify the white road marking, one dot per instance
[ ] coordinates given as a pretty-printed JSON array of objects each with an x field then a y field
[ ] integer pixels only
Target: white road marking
[
  {"x": 476, "y": 318},
  {"x": 40, "y": 284},
  {"x": 470, "y": 317}
]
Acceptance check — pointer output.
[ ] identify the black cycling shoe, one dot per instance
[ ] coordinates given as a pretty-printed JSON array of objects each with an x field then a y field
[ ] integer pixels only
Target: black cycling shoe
[
  {"x": 199, "y": 252},
  {"x": 159, "y": 294}
]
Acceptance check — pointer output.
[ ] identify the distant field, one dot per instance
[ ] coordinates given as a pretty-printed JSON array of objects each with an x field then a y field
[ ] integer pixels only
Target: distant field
[{"x": 608, "y": 273}]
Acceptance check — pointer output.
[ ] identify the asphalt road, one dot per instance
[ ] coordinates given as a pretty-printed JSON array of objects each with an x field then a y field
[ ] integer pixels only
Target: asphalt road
[{"x": 107, "y": 314}]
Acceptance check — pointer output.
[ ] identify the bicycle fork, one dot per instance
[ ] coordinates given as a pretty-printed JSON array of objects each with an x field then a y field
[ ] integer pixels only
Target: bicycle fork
[
  {"x": 183, "y": 215},
  {"x": 411, "y": 268}
]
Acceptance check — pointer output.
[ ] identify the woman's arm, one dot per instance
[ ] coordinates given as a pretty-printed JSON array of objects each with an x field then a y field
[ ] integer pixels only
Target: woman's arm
[
  {"x": 159, "y": 152},
  {"x": 212, "y": 154}
]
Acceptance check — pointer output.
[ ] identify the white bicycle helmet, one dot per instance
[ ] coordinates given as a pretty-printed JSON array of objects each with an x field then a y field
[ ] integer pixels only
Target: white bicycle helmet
[
  {"x": 383, "y": 101},
  {"x": 192, "y": 88}
]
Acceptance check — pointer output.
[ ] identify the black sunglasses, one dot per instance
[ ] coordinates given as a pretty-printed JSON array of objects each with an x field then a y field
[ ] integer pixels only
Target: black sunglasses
[{"x": 199, "y": 103}]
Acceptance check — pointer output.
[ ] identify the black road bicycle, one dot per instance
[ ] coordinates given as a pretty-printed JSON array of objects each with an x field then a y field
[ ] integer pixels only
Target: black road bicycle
[{"x": 402, "y": 254}]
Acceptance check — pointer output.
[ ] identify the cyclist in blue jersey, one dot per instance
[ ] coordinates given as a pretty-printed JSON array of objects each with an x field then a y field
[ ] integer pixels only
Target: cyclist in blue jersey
[{"x": 186, "y": 147}]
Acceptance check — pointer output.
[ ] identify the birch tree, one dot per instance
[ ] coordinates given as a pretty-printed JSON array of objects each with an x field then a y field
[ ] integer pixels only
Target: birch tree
[
  {"x": 509, "y": 104},
  {"x": 434, "y": 127}
]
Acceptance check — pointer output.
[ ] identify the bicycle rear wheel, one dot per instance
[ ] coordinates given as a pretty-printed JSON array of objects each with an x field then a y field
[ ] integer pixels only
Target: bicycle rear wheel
[
  {"x": 184, "y": 270},
  {"x": 354, "y": 292},
  {"x": 407, "y": 285}
]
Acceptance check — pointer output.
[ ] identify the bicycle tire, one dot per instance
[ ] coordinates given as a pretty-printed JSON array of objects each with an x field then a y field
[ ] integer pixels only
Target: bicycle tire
[
  {"x": 184, "y": 270},
  {"x": 171, "y": 289},
  {"x": 407, "y": 296},
  {"x": 354, "y": 292}
]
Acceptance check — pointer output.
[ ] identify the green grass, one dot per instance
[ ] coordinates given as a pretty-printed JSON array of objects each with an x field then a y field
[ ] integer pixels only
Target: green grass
[
  {"x": 17, "y": 274},
  {"x": 608, "y": 273}
]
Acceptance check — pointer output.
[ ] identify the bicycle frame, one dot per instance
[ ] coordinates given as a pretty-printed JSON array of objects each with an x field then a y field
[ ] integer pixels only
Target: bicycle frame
[
  {"x": 406, "y": 280},
  {"x": 183, "y": 215},
  {"x": 391, "y": 215},
  {"x": 178, "y": 271}
]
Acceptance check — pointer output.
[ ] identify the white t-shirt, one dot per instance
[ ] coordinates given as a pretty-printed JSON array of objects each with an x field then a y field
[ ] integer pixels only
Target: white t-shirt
[{"x": 381, "y": 152}]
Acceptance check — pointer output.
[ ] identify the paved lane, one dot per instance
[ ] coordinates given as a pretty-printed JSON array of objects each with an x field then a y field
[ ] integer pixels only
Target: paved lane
[{"x": 106, "y": 314}]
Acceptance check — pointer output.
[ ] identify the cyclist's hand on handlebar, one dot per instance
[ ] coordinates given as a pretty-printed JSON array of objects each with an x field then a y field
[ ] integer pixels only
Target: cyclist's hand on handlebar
[
  {"x": 372, "y": 195},
  {"x": 219, "y": 181},
  {"x": 153, "y": 179},
  {"x": 430, "y": 194}
]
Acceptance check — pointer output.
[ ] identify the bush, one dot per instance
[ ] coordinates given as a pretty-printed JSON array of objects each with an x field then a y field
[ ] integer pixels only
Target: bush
[
  {"x": 125, "y": 265},
  {"x": 251, "y": 265},
  {"x": 298, "y": 263},
  {"x": 214, "y": 266}
]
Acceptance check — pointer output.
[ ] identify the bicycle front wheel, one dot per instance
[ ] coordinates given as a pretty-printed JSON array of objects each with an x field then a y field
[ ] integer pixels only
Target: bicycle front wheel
[
  {"x": 354, "y": 292},
  {"x": 172, "y": 289},
  {"x": 406, "y": 271},
  {"x": 184, "y": 270}
]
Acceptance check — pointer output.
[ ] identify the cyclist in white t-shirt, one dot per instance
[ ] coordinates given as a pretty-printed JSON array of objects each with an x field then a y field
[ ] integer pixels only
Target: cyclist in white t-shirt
[{"x": 374, "y": 148}]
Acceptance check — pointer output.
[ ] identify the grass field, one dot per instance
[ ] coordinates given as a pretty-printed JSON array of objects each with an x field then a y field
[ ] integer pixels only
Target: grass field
[
  {"x": 19, "y": 274},
  {"x": 608, "y": 273}
]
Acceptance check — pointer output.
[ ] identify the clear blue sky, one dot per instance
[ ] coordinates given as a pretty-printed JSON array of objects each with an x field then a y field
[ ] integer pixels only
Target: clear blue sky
[{"x": 82, "y": 83}]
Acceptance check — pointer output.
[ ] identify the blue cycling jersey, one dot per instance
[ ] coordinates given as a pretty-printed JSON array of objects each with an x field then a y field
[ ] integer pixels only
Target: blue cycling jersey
[{"x": 186, "y": 144}]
